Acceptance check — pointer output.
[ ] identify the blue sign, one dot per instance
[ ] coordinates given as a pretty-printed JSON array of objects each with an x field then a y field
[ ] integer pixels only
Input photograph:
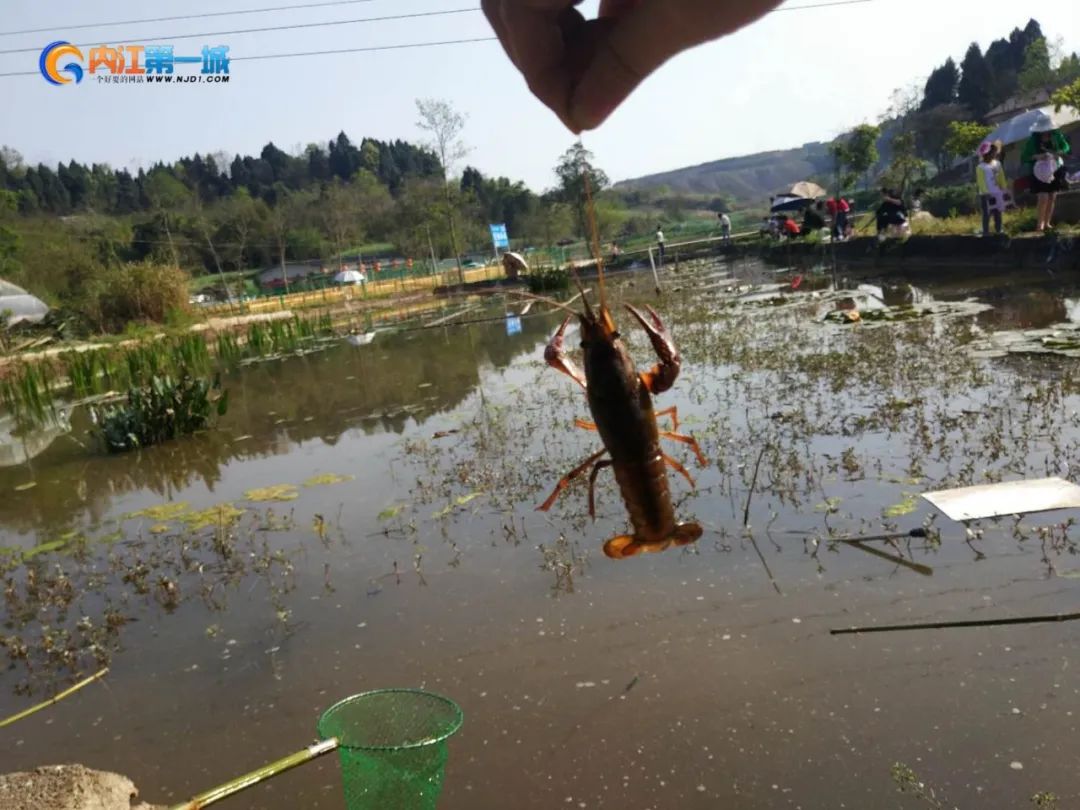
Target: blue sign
[
  {"x": 499, "y": 236},
  {"x": 513, "y": 325}
]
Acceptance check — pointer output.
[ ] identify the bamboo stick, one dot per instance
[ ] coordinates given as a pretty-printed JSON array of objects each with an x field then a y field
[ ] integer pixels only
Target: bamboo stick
[
  {"x": 925, "y": 570},
  {"x": 55, "y": 699},
  {"x": 259, "y": 775},
  {"x": 1056, "y": 617}
]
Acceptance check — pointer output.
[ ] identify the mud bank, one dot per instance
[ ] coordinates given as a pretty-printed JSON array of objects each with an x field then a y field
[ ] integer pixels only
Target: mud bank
[{"x": 69, "y": 787}]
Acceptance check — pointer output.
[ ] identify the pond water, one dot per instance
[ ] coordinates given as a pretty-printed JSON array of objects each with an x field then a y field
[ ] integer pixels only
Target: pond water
[{"x": 405, "y": 550}]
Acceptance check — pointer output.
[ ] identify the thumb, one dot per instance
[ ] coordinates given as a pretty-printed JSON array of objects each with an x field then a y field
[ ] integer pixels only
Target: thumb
[{"x": 622, "y": 58}]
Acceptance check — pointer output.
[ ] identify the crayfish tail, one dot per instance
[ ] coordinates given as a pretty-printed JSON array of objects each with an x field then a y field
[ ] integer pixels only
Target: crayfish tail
[{"x": 627, "y": 545}]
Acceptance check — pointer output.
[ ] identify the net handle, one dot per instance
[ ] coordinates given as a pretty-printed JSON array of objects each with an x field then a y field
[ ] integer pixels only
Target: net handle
[{"x": 260, "y": 775}]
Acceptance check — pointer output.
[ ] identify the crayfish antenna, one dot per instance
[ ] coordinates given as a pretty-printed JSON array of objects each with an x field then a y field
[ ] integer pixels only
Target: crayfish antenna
[
  {"x": 594, "y": 233},
  {"x": 584, "y": 294}
]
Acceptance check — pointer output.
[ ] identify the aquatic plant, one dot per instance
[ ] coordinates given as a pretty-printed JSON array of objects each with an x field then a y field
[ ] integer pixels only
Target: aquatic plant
[
  {"x": 28, "y": 391},
  {"x": 548, "y": 278},
  {"x": 162, "y": 410},
  {"x": 31, "y": 388}
]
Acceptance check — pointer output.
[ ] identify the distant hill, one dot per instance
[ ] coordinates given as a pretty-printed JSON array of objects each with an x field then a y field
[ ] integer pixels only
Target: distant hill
[{"x": 748, "y": 179}]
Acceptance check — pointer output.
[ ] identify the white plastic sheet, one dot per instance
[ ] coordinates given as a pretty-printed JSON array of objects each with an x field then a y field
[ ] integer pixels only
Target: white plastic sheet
[
  {"x": 16, "y": 304},
  {"x": 1010, "y": 498}
]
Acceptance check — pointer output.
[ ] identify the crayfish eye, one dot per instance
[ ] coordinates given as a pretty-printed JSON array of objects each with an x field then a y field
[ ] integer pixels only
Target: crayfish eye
[{"x": 615, "y": 336}]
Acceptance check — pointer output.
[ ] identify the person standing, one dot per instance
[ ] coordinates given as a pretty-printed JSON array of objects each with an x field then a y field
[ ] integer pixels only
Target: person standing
[
  {"x": 843, "y": 208},
  {"x": 725, "y": 228},
  {"x": 660, "y": 243},
  {"x": 830, "y": 209},
  {"x": 891, "y": 216},
  {"x": 813, "y": 218},
  {"x": 990, "y": 180},
  {"x": 1044, "y": 155}
]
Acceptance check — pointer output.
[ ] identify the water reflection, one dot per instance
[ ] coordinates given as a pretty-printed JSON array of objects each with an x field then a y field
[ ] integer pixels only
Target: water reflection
[
  {"x": 20, "y": 443},
  {"x": 397, "y": 381}
]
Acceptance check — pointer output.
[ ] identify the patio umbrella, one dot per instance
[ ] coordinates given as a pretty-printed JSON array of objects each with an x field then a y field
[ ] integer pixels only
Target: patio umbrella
[
  {"x": 806, "y": 189},
  {"x": 349, "y": 277},
  {"x": 1018, "y": 128},
  {"x": 788, "y": 203}
]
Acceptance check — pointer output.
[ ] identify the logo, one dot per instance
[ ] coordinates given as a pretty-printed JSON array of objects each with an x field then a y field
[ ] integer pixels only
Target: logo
[
  {"x": 134, "y": 64},
  {"x": 52, "y": 54}
]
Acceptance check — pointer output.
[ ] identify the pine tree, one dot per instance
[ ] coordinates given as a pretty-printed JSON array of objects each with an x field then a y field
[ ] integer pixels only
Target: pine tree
[
  {"x": 976, "y": 83},
  {"x": 1036, "y": 72},
  {"x": 941, "y": 86}
]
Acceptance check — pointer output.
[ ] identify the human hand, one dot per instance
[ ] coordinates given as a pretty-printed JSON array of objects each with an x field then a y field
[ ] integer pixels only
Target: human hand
[{"x": 583, "y": 69}]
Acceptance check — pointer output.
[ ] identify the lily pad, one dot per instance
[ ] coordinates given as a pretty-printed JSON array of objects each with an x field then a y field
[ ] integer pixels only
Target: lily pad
[
  {"x": 278, "y": 492},
  {"x": 329, "y": 479},
  {"x": 223, "y": 513},
  {"x": 162, "y": 513},
  {"x": 391, "y": 512},
  {"x": 828, "y": 505},
  {"x": 905, "y": 507}
]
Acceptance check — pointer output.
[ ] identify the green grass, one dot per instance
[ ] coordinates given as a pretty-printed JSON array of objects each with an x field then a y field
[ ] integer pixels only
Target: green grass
[
  {"x": 211, "y": 279},
  {"x": 1015, "y": 223}
]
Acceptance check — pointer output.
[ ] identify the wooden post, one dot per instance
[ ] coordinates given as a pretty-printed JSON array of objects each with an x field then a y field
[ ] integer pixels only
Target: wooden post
[{"x": 652, "y": 263}]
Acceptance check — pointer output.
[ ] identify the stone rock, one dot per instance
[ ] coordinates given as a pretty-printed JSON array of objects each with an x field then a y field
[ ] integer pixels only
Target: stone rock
[{"x": 69, "y": 787}]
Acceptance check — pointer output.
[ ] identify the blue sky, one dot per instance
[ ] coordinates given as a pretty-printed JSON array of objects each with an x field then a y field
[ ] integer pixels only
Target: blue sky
[{"x": 791, "y": 78}]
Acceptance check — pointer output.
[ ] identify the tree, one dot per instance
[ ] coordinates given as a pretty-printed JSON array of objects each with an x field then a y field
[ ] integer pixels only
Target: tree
[
  {"x": 941, "y": 86},
  {"x": 241, "y": 215},
  {"x": 1036, "y": 71},
  {"x": 340, "y": 216},
  {"x": 12, "y": 161},
  {"x": 1069, "y": 69},
  {"x": 551, "y": 221},
  {"x": 965, "y": 137},
  {"x": 859, "y": 153},
  {"x": 931, "y": 129},
  {"x": 444, "y": 124},
  {"x": 9, "y": 239},
  {"x": 906, "y": 167},
  {"x": 1067, "y": 97},
  {"x": 976, "y": 82},
  {"x": 207, "y": 225},
  {"x": 1003, "y": 72},
  {"x": 844, "y": 179},
  {"x": 166, "y": 195},
  {"x": 573, "y": 166},
  {"x": 288, "y": 213}
]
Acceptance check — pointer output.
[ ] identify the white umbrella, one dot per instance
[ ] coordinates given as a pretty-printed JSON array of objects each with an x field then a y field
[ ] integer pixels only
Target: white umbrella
[
  {"x": 1018, "y": 128},
  {"x": 349, "y": 277},
  {"x": 807, "y": 190}
]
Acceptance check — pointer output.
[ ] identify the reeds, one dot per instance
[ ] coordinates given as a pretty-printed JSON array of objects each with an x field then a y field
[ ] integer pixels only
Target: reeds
[{"x": 29, "y": 390}]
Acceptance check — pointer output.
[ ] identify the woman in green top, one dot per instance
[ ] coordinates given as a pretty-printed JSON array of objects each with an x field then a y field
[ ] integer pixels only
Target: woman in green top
[{"x": 1043, "y": 155}]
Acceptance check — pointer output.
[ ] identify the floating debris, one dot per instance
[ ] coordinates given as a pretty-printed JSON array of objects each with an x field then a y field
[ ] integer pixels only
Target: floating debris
[
  {"x": 278, "y": 492},
  {"x": 329, "y": 479}
]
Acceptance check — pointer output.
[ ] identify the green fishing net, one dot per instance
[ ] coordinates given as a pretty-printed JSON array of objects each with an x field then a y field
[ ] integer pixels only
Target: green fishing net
[{"x": 392, "y": 747}]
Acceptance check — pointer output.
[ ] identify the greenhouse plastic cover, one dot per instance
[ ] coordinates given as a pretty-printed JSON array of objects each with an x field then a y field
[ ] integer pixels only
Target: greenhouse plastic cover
[{"x": 16, "y": 304}]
